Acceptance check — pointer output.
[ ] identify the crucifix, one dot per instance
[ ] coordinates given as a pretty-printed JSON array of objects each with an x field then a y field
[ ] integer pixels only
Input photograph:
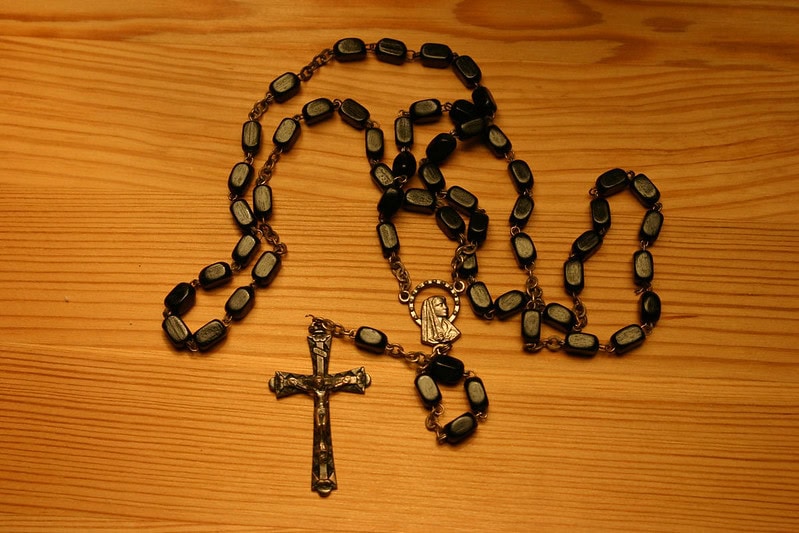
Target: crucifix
[{"x": 319, "y": 385}]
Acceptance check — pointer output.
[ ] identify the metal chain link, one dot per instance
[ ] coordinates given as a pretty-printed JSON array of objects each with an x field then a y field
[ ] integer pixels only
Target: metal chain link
[
  {"x": 534, "y": 290},
  {"x": 321, "y": 59},
  {"x": 418, "y": 358},
  {"x": 403, "y": 277},
  {"x": 272, "y": 238},
  {"x": 580, "y": 312},
  {"x": 265, "y": 174},
  {"x": 432, "y": 423}
]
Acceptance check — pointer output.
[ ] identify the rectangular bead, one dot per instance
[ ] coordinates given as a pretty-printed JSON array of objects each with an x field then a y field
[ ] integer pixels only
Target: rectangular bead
[
  {"x": 531, "y": 326},
  {"x": 467, "y": 71},
  {"x": 643, "y": 268},
  {"x": 644, "y": 190},
  {"x": 391, "y": 51},
  {"x": 285, "y": 86},
  {"x": 266, "y": 268},
  {"x": 210, "y": 334},
  {"x": 435, "y": 55},
  {"x": 349, "y": 49},
  {"x": 251, "y": 137},
  {"x": 374, "y": 144},
  {"x": 389, "y": 241},
  {"x": 371, "y": 340},
  {"x": 286, "y": 134},
  {"x": 581, "y": 344},
  {"x": 317, "y": 110},
  {"x": 353, "y": 113}
]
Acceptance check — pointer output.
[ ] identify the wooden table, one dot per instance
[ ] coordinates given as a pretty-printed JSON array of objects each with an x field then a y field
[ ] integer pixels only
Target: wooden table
[{"x": 120, "y": 123}]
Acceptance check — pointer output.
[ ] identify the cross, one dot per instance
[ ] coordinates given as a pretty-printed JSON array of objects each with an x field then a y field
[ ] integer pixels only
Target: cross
[{"x": 319, "y": 385}]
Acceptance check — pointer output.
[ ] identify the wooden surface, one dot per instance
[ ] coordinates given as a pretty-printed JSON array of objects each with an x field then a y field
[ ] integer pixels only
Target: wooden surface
[{"x": 120, "y": 122}]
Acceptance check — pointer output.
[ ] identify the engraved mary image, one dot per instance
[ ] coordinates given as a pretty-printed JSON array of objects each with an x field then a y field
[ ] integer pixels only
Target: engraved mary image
[{"x": 436, "y": 327}]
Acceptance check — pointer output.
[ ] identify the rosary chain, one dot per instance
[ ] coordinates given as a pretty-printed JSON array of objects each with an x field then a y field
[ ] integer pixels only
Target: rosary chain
[
  {"x": 321, "y": 59},
  {"x": 265, "y": 174},
  {"x": 418, "y": 358},
  {"x": 403, "y": 277}
]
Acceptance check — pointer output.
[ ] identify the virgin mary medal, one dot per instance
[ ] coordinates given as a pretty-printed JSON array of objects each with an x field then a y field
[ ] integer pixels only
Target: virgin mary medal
[{"x": 435, "y": 319}]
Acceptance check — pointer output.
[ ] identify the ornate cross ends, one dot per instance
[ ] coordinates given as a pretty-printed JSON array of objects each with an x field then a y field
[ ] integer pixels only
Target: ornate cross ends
[{"x": 320, "y": 385}]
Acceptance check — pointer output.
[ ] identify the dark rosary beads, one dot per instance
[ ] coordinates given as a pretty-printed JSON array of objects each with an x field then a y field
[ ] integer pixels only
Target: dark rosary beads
[
  {"x": 572, "y": 321},
  {"x": 455, "y": 210},
  {"x": 440, "y": 369}
]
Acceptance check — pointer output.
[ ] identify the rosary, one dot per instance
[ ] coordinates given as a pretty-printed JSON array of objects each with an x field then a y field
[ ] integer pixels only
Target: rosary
[{"x": 433, "y": 304}]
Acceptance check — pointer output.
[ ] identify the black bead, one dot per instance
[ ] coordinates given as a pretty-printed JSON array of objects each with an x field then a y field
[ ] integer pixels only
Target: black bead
[
  {"x": 559, "y": 317},
  {"x": 210, "y": 334},
  {"x": 424, "y": 111},
  {"x": 497, "y": 141},
  {"x": 467, "y": 71},
  {"x": 428, "y": 390},
  {"x": 375, "y": 146},
  {"x": 181, "y": 299},
  {"x": 468, "y": 267},
  {"x": 480, "y": 299},
  {"x": 600, "y": 215},
  {"x": 522, "y": 210},
  {"x": 441, "y": 147},
  {"x": 573, "y": 276},
  {"x": 461, "y": 199},
  {"x": 484, "y": 101},
  {"x": 649, "y": 308},
  {"x": 628, "y": 338},
  {"x": 389, "y": 241},
  {"x": 460, "y": 428},
  {"x": 404, "y": 164},
  {"x": 251, "y": 137},
  {"x": 215, "y": 275},
  {"x": 317, "y": 110},
  {"x": 650, "y": 226},
  {"x": 403, "y": 132},
  {"x": 524, "y": 250},
  {"x": 478, "y": 227},
  {"x": 611, "y": 182},
  {"x": 581, "y": 344},
  {"x": 586, "y": 245},
  {"x": 643, "y": 189},
  {"x": 471, "y": 128},
  {"x": 431, "y": 176},
  {"x": 242, "y": 252},
  {"x": 239, "y": 178},
  {"x": 176, "y": 331},
  {"x": 285, "y": 87},
  {"x": 521, "y": 175},
  {"x": 463, "y": 111},
  {"x": 390, "y": 202},
  {"x": 476, "y": 394},
  {"x": 382, "y": 176},
  {"x": 450, "y": 222},
  {"x": 242, "y": 214},
  {"x": 371, "y": 340},
  {"x": 435, "y": 55},
  {"x": 391, "y": 51},
  {"x": 446, "y": 369},
  {"x": 643, "y": 268},
  {"x": 240, "y": 302},
  {"x": 420, "y": 201},
  {"x": 509, "y": 304},
  {"x": 266, "y": 268},
  {"x": 531, "y": 326},
  {"x": 262, "y": 202},
  {"x": 353, "y": 113},
  {"x": 349, "y": 49}
]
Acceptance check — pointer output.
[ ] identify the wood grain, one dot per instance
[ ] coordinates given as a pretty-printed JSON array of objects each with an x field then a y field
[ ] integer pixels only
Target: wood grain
[{"x": 120, "y": 124}]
